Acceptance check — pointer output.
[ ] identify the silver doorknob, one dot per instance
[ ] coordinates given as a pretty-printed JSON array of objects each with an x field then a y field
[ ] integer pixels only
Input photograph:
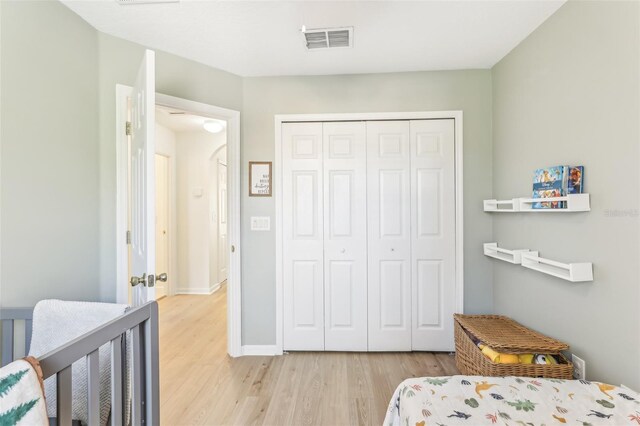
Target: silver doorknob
[
  {"x": 343, "y": 250},
  {"x": 162, "y": 277},
  {"x": 233, "y": 249},
  {"x": 139, "y": 280}
]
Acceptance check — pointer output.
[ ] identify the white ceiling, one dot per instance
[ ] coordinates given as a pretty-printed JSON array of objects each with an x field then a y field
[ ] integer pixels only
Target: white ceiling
[
  {"x": 261, "y": 38},
  {"x": 180, "y": 121}
]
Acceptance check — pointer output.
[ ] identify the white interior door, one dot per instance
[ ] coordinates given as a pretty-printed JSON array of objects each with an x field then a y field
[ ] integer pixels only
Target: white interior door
[
  {"x": 345, "y": 236},
  {"x": 303, "y": 266},
  {"x": 389, "y": 236},
  {"x": 433, "y": 232},
  {"x": 142, "y": 189},
  {"x": 223, "y": 244},
  {"x": 162, "y": 220}
]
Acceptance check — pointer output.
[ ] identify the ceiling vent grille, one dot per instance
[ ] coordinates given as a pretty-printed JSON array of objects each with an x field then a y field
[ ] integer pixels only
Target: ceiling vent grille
[
  {"x": 328, "y": 38},
  {"x": 131, "y": 2}
]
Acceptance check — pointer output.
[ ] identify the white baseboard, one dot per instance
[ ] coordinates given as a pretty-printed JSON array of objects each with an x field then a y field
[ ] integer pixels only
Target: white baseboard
[
  {"x": 200, "y": 290},
  {"x": 260, "y": 350}
]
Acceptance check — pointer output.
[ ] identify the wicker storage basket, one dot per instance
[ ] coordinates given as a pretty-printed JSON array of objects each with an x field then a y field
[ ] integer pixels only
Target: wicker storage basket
[{"x": 505, "y": 335}]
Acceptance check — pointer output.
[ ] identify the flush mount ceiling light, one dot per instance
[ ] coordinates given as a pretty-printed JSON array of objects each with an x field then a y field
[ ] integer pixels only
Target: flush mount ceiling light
[
  {"x": 327, "y": 38},
  {"x": 212, "y": 126}
]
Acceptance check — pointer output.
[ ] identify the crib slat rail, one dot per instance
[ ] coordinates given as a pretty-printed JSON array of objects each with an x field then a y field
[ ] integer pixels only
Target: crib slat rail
[
  {"x": 136, "y": 377},
  {"x": 93, "y": 388},
  {"x": 86, "y": 346},
  {"x": 7, "y": 341},
  {"x": 8, "y": 316},
  {"x": 63, "y": 396},
  {"x": 116, "y": 382}
]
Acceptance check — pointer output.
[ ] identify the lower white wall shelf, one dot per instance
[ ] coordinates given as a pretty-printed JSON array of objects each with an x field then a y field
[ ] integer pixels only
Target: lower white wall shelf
[
  {"x": 574, "y": 272},
  {"x": 573, "y": 203},
  {"x": 511, "y": 256}
]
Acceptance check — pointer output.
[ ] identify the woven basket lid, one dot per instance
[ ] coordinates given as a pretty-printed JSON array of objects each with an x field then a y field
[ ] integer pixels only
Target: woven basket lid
[{"x": 504, "y": 334}]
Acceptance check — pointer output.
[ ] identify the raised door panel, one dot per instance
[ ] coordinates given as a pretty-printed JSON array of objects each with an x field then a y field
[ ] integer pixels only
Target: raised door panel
[
  {"x": 341, "y": 203},
  {"x": 393, "y": 306},
  {"x": 303, "y": 260},
  {"x": 345, "y": 238},
  {"x": 429, "y": 202},
  {"x": 305, "y": 295},
  {"x": 433, "y": 234},
  {"x": 429, "y": 294},
  {"x": 391, "y": 193},
  {"x": 340, "y": 283},
  {"x": 305, "y": 200},
  {"x": 389, "y": 236}
]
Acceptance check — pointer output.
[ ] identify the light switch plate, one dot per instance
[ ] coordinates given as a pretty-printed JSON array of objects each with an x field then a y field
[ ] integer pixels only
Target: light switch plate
[{"x": 260, "y": 223}]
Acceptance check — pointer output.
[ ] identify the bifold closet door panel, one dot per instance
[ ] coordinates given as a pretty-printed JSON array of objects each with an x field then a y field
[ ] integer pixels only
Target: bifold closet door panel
[
  {"x": 345, "y": 236},
  {"x": 433, "y": 234},
  {"x": 303, "y": 265},
  {"x": 389, "y": 235}
]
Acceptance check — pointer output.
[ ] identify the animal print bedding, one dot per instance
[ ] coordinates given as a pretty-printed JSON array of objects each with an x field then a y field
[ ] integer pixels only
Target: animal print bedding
[{"x": 476, "y": 400}]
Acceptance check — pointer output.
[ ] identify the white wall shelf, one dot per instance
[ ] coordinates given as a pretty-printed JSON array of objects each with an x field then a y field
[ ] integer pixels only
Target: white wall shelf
[
  {"x": 511, "y": 256},
  {"x": 508, "y": 206},
  {"x": 574, "y": 272},
  {"x": 574, "y": 203}
]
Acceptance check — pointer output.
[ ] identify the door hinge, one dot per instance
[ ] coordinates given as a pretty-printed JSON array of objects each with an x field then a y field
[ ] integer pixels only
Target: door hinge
[
  {"x": 128, "y": 128},
  {"x": 128, "y": 237}
]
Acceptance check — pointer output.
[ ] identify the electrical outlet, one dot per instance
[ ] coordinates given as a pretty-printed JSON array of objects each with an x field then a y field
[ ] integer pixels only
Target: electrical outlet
[{"x": 579, "y": 368}]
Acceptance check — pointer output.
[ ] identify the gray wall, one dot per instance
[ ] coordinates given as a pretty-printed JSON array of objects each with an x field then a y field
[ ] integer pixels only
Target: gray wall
[
  {"x": 58, "y": 145},
  {"x": 569, "y": 94},
  {"x": 175, "y": 76},
  {"x": 469, "y": 91},
  {"x": 49, "y": 159}
]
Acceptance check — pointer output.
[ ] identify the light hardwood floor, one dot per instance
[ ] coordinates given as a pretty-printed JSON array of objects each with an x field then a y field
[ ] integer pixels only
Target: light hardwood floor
[{"x": 201, "y": 385}]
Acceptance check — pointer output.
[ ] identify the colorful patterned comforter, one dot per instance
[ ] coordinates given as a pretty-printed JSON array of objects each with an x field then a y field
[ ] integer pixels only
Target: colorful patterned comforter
[{"x": 476, "y": 400}]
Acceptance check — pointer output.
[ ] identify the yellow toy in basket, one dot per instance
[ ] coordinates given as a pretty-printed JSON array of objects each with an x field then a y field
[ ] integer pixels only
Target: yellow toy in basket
[{"x": 500, "y": 358}]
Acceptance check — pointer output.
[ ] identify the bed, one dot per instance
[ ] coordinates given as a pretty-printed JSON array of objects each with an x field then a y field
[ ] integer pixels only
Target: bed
[
  {"x": 477, "y": 400},
  {"x": 134, "y": 397}
]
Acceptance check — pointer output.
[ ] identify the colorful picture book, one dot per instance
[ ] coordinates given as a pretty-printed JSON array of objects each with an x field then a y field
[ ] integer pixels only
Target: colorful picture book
[
  {"x": 556, "y": 181},
  {"x": 576, "y": 180}
]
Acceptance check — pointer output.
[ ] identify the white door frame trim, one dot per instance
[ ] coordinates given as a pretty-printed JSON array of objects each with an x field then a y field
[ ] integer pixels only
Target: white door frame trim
[
  {"x": 277, "y": 179},
  {"x": 234, "y": 193}
]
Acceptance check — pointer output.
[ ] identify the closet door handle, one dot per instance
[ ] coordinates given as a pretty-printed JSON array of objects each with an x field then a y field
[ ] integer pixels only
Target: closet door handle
[{"x": 343, "y": 250}]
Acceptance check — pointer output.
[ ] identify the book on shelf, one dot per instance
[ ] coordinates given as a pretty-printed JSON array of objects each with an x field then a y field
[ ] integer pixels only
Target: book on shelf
[
  {"x": 549, "y": 182},
  {"x": 556, "y": 181},
  {"x": 575, "y": 181}
]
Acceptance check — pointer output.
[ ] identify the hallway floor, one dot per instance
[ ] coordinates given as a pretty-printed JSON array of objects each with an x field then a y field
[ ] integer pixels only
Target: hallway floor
[{"x": 201, "y": 385}]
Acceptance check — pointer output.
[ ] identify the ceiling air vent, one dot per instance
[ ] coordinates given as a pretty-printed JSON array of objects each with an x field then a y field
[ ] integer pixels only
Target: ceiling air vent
[
  {"x": 130, "y": 2},
  {"x": 326, "y": 38}
]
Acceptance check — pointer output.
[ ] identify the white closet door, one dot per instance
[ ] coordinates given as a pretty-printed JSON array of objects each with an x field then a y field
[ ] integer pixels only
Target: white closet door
[
  {"x": 389, "y": 236},
  {"x": 302, "y": 236},
  {"x": 345, "y": 236},
  {"x": 433, "y": 234}
]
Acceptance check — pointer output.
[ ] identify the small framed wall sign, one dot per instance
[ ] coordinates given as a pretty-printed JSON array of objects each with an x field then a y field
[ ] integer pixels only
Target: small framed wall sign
[{"x": 260, "y": 178}]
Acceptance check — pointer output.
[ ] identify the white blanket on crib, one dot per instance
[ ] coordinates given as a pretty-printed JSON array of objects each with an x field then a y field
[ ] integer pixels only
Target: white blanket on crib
[{"x": 56, "y": 322}]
